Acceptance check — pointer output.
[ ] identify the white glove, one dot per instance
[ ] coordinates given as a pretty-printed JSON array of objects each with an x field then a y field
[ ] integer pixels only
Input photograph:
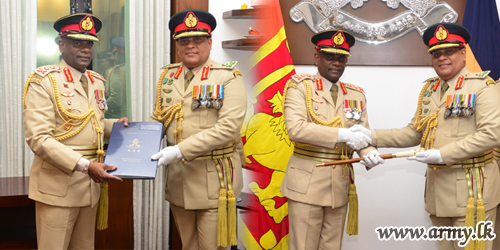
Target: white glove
[
  {"x": 360, "y": 128},
  {"x": 355, "y": 140},
  {"x": 429, "y": 156},
  {"x": 372, "y": 159},
  {"x": 167, "y": 155}
]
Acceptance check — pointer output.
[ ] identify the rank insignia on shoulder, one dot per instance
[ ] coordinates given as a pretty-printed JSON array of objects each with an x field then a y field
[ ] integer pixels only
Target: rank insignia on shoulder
[
  {"x": 491, "y": 81},
  {"x": 435, "y": 78},
  {"x": 44, "y": 70},
  {"x": 35, "y": 79},
  {"x": 229, "y": 64},
  {"x": 301, "y": 76},
  {"x": 96, "y": 75},
  {"x": 237, "y": 73},
  {"x": 352, "y": 86},
  {"x": 477, "y": 75},
  {"x": 172, "y": 65}
]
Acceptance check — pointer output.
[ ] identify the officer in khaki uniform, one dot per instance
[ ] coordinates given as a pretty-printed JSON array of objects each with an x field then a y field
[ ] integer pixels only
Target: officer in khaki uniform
[
  {"x": 202, "y": 104},
  {"x": 318, "y": 110},
  {"x": 63, "y": 111},
  {"x": 457, "y": 122}
]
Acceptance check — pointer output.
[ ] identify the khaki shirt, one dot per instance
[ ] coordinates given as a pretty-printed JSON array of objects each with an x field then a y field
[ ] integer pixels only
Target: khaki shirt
[
  {"x": 52, "y": 179},
  {"x": 457, "y": 139},
  {"x": 304, "y": 182},
  {"x": 194, "y": 184}
]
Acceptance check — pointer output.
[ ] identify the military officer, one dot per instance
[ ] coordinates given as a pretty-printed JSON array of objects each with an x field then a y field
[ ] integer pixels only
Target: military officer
[
  {"x": 457, "y": 124},
  {"x": 63, "y": 111},
  {"x": 116, "y": 87},
  {"x": 318, "y": 110},
  {"x": 202, "y": 104}
]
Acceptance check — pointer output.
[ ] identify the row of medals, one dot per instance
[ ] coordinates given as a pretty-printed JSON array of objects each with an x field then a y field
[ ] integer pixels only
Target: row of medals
[
  {"x": 459, "y": 111},
  {"x": 354, "y": 114}
]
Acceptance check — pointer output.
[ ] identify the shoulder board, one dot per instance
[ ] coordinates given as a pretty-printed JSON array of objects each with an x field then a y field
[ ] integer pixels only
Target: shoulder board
[
  {"x": 478, "y": 75},
  {"x": 97, "y": 75},
  {"x": 35, "y": 78},
  {"x": 432, "y": 79},
  {"x": 352, "y": 86},
  {"x": 227, "y": 65},
  {"x": 301, "y": 76},
  {"x": 173, "y": 65},
  {"x": 44, "y": 70}
]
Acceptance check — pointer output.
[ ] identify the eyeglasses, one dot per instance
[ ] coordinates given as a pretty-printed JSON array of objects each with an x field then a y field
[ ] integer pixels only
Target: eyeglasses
[{"x": 195, "y": 40}]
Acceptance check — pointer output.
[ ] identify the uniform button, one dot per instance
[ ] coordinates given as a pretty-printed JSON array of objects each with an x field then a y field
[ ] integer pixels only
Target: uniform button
[
  {"x": 94, "y": 142},
  {"x": 337, "y": 147},
  {"x": 183, "y": 160},
  {"x": 70, "y": 108}
]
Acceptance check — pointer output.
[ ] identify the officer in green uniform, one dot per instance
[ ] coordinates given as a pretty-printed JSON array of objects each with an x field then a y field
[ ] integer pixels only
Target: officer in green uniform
[
  {"x": 202, "y": 103},
  {"x": 116, "y": 87}
]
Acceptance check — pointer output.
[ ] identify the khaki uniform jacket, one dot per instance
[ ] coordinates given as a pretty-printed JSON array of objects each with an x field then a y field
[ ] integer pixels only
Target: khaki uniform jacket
[
  {"x": 303, "y": 181},
  {"x": 52, "y": 179},
  {"x": 194, "y": 184},
  {"x": 460, "y": 138}
]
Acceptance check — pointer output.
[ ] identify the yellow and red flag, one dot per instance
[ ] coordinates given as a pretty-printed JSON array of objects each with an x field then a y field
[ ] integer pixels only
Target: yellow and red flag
[{"x": 265, "y": 139}]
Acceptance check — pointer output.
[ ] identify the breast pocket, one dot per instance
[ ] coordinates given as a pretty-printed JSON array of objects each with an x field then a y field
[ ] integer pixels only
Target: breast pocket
[
  {"x": 459, "y": 126},
  {"x": 208, "y": 117}
]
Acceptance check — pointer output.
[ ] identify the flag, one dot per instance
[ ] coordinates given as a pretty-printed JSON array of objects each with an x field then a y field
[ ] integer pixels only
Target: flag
[
  {"x": 266, "y": 145},
  {"x": 481, "y": 19}
]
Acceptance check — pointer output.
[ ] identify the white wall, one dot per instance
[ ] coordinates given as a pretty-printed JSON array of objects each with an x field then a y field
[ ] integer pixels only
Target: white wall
[{"x": 391, "y": 194}]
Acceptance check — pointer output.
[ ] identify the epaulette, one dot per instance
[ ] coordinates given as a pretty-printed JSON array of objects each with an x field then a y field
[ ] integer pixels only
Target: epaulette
[
  {"x": 35, "y": 79},
  {"x": 173, "y": 65},
  {"x": 301, "y": 76},
  {"x": 432, "y": 79},
  {"x": 352, "y": 86},
  {"x": 227, "y": 65},
  {"x": 97, "y": 75},
  {"x": 44, "y": 70},
  {"x": 478, "y": 75}
]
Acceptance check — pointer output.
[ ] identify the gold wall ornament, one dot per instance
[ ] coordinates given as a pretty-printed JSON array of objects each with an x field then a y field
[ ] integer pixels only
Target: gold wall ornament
[
  {"x": 87, "y": 24},
  {"x": 321, "y": 15},
  {"x": 191, "y": 21}
]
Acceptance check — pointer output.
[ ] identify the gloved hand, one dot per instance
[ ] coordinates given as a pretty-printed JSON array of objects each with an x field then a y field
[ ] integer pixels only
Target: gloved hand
[
  {"x": 372, "y": 159},
  {"x": 355, "y": 140},
  {"x": 360, "y": 128},
  {"x": 167, "y": 155},
  {"x": 429, "y": 156}
]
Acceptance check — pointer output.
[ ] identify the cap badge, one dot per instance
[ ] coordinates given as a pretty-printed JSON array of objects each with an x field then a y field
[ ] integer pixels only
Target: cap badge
[
  {"x": 191, "y": 21},
  {"x": 338, "y": 39},
  {"x": 87, "y": 24},
  {"x": 441, "y": 33}
]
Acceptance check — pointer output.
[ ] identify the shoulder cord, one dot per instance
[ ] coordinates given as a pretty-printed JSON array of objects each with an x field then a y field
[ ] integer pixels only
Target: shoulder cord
[
  {"x": 427, "y": 124},
  {"x": 71, "y": 120},
  {"x": 168, "y": 114}
]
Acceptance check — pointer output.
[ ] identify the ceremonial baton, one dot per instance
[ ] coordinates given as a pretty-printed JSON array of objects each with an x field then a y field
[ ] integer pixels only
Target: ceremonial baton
[{"x": 384, "y": 156}]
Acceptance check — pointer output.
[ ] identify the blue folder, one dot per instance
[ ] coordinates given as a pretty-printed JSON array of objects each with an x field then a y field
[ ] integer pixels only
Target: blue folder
[{"x": 130, "y": 149}]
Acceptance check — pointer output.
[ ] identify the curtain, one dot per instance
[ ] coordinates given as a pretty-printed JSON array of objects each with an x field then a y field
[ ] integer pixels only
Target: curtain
[
  {"x": 148, "y": 42},
  {"x": 17, "y": 60}
]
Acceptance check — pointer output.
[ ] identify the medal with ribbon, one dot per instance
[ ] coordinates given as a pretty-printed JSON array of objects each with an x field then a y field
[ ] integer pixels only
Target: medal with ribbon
[
  {"x": 207, "y": 96},
  {"x": 101, "y": 99},
  {"x": 354, "y": 110},
  {"x": 460, "y": 105}
]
